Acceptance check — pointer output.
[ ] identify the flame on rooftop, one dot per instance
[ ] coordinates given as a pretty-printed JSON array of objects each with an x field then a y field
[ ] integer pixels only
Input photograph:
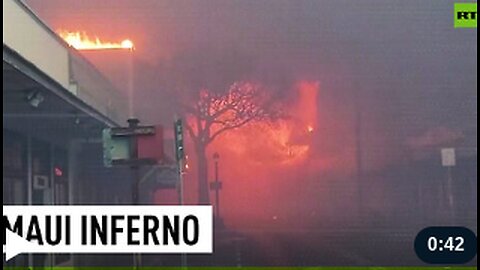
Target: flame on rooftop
[{"x": 81, "y": 41}]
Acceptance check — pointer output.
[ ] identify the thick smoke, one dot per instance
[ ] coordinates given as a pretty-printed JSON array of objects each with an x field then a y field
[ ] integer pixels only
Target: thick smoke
[{"x": 387, "y": 73}]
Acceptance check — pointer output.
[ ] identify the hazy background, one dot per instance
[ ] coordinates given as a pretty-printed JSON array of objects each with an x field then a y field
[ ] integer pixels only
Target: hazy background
[{"x": 411, "y": 74}]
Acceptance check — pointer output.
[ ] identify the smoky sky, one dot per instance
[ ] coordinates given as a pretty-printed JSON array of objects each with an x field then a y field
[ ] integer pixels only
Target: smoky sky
[
  {"x": 404, "y": 57},
  {"x": 400, "y": 65}
]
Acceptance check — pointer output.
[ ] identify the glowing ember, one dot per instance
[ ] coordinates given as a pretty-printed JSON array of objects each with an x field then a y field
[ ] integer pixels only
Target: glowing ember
[
  {"x": 81, "y": 41},
  {"x": 310, "y": 129},
  {"x": 187, "y": 165},
  {"x": 127, "y": 44}
]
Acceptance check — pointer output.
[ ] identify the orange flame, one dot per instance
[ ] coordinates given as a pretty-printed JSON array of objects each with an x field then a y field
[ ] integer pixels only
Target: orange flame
[
  {"x": 81, "y": 41},
  {"x": 276, "y": 141},
  {"x": 282, "y": 142}
]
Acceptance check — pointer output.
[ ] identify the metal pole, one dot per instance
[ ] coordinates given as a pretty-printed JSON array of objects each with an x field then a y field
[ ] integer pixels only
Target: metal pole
[
  {"x": 450, "y": 193},
  {"x": 131, "y": 112},
  {"x": 30, "y": 181},
  {"x": 184, "y": 261},
  {"x": 133, "y": 123},
  {"x": 182, "y": 202},
  {"x": 181, "y": 187},
  {"x": 217, "y": 191},
  {"x": 181, "y": 191}
]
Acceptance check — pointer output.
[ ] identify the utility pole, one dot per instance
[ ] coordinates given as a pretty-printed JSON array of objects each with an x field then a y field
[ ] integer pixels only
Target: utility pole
[
  {"x": 133, "y": 123},
  {"x": 450, "y": 199},
  {"x": 125, "y": 146},
  {"x": 449, "y": 161},
  {"x": 180, "y": 158}
]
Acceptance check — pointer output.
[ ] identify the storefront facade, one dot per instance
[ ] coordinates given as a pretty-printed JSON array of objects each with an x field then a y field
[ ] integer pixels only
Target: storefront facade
[{"x": 56, "y": 105}]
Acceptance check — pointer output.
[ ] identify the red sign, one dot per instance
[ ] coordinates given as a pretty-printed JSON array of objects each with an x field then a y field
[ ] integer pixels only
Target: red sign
[{"x": 151, "y": 146}]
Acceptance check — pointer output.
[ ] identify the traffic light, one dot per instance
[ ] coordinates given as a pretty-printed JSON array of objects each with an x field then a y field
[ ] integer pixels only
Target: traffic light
[{"x": 179, "y": 148}]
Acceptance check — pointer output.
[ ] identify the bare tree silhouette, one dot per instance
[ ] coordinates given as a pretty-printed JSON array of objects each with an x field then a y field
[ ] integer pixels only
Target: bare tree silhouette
[{"x": 216, "y": 113}]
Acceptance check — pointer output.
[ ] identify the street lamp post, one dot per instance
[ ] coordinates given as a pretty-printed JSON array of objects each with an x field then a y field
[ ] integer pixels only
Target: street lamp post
[
  {"x": 217, "y": 186},
  {"x": 131, "y": 86}
]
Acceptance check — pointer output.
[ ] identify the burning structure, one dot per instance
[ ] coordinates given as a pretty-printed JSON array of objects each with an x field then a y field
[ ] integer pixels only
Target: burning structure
[
  {"x": 81, "y": 41},
  {"x": 368, "y": 105}
]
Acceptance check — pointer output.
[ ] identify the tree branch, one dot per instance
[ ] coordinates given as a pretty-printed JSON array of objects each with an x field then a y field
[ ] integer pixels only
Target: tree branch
[
  {"x": 217, "y": 113},
  {"x": 226, "y": 128},
  {"x": 191, "y": 132}
]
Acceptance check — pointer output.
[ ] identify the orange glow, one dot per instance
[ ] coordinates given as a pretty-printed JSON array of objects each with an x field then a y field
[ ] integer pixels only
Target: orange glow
[
  {"x": 81, "y": 41},
  {"x": 306, "y": 107},
  {"x": 127, "y": 44},
  {"x": 187, "y": 166},
  {"x": 273, "y": 160},
  {"x": 284, "y": 142},
  {"x": 310, "y": 129},
  {"x": 265, "y": 162},
  {"x": 277, "y": 142}
]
